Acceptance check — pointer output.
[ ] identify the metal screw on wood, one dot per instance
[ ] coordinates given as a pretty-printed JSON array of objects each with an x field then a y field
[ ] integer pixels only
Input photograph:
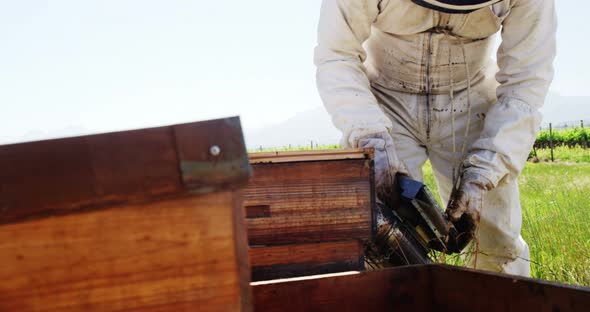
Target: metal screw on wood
[{"x": 215, "y": 150}]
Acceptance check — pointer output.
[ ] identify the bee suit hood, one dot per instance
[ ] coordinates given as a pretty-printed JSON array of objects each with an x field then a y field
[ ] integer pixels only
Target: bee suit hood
[{"x": 455, "y": 6}]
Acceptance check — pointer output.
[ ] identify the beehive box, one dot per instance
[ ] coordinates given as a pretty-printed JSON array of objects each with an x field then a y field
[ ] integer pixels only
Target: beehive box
[
  {"x": 418, "y": 288},
  {"x": 145, "y": 220},
  {"x": 308, "y": 212}
]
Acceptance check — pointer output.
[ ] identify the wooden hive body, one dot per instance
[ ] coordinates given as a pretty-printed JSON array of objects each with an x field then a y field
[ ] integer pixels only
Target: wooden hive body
[
  {"x": 145, "y": 220},
  {"x": 308, "y": 212},
  {"x": 418, "y": 288}
]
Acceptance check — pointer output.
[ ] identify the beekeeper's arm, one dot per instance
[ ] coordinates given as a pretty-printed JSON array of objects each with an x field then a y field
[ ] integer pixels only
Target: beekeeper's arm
[
  {"x": 525, "y": 59},
  {"x": 341, "y": 76},
  {"x": 344, "y": 86}
]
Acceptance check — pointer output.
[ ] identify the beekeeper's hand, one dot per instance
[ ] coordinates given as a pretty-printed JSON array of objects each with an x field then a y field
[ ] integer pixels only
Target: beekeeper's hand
[
  {"x": 387, "y": 163},
  {"x": 465, "y": 206}
]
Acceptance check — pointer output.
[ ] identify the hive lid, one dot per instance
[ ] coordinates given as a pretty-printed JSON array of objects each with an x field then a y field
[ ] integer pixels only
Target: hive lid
[
  {"x": 71, "y": 174},
  {"x": 317, "y": 155}
]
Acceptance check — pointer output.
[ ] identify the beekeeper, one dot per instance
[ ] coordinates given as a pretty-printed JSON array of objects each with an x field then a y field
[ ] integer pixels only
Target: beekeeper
[{"x": 415, "y": 80}]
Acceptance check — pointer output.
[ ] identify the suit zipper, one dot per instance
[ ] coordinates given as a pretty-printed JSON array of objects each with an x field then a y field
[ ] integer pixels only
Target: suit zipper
[{"x": 428, "y": 90}]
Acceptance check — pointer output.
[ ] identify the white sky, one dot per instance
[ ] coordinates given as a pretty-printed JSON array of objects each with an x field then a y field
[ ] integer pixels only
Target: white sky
[{"x": 74, "y": 67}]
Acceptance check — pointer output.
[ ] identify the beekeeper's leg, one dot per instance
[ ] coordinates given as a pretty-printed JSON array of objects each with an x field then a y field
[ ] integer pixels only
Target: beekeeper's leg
[{"x": 500, "y": 247}]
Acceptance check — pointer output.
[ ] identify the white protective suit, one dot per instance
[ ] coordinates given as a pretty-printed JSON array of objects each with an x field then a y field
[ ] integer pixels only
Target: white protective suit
[{"x": 427, "y": 76}]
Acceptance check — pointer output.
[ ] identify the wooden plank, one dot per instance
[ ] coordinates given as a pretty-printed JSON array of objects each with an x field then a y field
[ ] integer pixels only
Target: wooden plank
[
  {"x": 302, "y": 253},
  {"x": 63, "y": 175},
  {"x": 177, "y": 254},
  {"x": 399, "y": 289},
  {"x": 305, "y": 259},
  {"x": 59, "y": 176},
  {"x": 240, "y": 243},
  {"x": 457, "y": 289},
  {"x": 299, "y": 156},
  {"x": 310, "y": 202},
  {"x": 212, "y": 154},
  {"x": 419, "y": 288}
]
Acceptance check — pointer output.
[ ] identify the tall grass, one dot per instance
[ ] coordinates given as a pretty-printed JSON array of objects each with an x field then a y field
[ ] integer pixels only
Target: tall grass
[
  {"x": 563, "y": 153},
  {"x": 556, "y": 220}
]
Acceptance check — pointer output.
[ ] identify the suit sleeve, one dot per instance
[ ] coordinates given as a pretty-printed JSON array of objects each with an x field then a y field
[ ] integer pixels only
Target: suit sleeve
[
  {"x": 525, "y": 61},
  {"x": 341, "y": 76}
]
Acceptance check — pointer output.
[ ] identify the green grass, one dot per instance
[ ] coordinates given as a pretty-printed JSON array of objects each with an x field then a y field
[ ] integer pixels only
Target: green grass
[
  {"x": 556, "y": 220},
  {"x": 564, "y": 153}
]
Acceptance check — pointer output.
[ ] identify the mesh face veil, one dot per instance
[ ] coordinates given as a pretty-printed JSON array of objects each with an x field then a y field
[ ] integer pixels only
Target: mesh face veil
[{"x": 455, "y": 6}]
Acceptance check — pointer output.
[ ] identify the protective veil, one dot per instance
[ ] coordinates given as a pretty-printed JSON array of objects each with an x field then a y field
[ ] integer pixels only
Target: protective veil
[
  {"x": 427, "y": 78},
  {"x": 455, "y": 6}
]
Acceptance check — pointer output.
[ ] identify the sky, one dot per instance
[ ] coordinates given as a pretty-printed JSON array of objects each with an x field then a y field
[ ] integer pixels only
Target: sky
[{"x": 78, "y": 67}]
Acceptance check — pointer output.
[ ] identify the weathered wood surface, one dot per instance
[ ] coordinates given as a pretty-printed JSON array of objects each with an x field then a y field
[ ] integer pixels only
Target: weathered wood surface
[
  {"x": 147, "y": 257},
  {"x": 467, "y": 290},
  {"x": 395, "y": 290},
  {"x": 308, "y": 212},
  {"x": 299, "y": 156},
  {"x": 419, "y": 288},
  {"x": 63, "y": 175},
  {"x": 305, "y": 259},
  {"x": 310, "y": 202},
  {"x": 129, "y": 221}
]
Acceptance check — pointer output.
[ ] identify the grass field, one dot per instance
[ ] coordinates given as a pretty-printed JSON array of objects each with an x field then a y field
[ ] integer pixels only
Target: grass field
[
  {"x": 565, "y": 154},
  {"x": 556, "y": 219},
  {"x": 555, "y": 200}
]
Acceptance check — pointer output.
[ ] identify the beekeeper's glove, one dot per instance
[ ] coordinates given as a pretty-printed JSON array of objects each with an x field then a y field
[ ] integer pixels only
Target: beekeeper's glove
[
  {"x": 465, "y": 206},
  {"x": 387, "y": 163}
]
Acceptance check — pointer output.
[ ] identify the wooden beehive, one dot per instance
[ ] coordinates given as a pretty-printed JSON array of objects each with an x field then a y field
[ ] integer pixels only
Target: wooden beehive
[
  {"x": 308, "y": 212},
  {"x": 145, "y": 220},
  {"x": 418, "y": 288}
]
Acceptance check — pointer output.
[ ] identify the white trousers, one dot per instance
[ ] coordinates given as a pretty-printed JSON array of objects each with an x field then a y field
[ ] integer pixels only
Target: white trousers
[{"x": 423, "y": 131}]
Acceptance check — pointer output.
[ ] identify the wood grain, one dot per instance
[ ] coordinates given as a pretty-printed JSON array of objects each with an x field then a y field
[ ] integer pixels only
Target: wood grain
[
  {"x": 318, "y": 155},
  {"x": 305, "y": 259},
  {"x": 308, "y": 212},
  {"x": 456, "y": 289},
  {"x": 310, "y": 202},
  {"x": 404, "y": 289},
  {"x": 419, "y": 288},
  {"x": 302, "y": 253},
  {"x": 177, "y": 254},
  {"x": 60, "y": 176}
]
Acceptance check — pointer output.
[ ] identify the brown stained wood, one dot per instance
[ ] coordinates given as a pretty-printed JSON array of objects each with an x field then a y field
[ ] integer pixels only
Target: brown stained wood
[
  {"x": 310, "y": 202},
  {"x": 173, "y": 255},
  {"x": 334, "y": 154},
  {"x": 337, "y": 170},
  {"x": 257, "y": 211},
  {"x": 404, "y": 289},
  {"x": 419, "y": 288},
  {"x": 305, "y": 259},
  {"x": 212, "y": 154},
  {"x": 240, "y": 243},
  {"x": 456, "y": 289},
  {"x": 67, "y": 174},
  {"x": 302, "y": 253},
  {"x": 60, "y": 176}
]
